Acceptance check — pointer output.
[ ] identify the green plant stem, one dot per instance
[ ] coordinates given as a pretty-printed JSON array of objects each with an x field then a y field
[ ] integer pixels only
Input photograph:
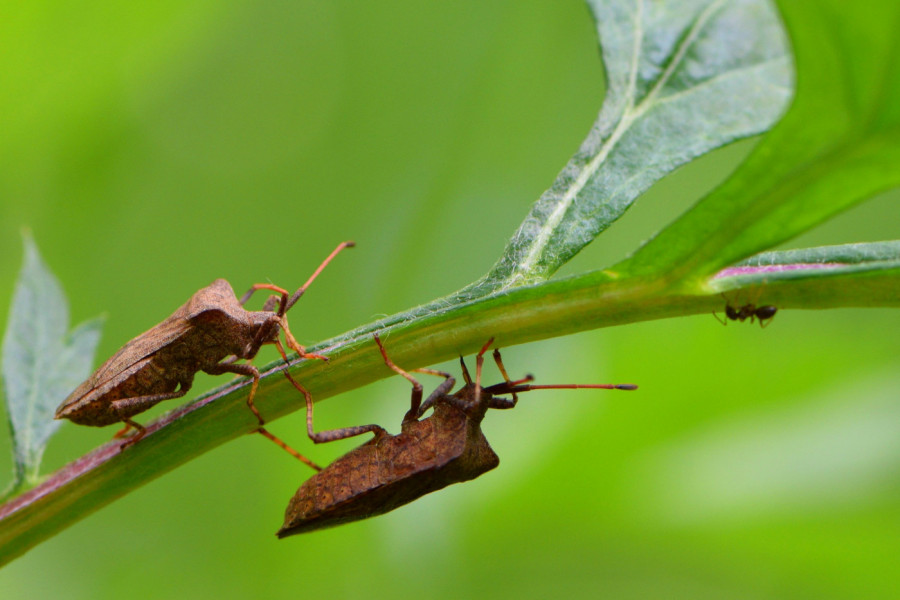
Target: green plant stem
[{"x": 423, "y": 336}]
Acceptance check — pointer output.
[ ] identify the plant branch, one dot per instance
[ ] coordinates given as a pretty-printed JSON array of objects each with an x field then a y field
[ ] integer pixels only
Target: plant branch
[{"x": 422, "y": 336}]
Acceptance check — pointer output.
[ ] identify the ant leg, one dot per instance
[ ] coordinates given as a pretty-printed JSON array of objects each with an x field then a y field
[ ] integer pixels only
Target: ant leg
[
  {"x": 722, "y": 321},
  {"x": 302, "y": 290}
]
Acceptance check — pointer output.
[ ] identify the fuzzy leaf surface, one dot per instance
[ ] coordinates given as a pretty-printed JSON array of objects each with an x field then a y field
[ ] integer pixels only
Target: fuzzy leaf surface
[
  {"x": 42, "y": 363},
  {"x": 838, "y": 145},
  {"x": 683, "y": 77}
]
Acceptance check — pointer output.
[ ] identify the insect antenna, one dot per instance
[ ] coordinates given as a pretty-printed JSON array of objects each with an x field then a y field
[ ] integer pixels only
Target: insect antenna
[
  {"x": 296, "y": 295},
  {"x": 271, "y": 300},
  {"x": 513, "y": 387}
]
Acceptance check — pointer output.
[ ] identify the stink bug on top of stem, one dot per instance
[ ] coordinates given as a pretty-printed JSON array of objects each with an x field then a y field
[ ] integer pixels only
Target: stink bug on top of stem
[
  {"x": 429, "y": 454},
  {"x": 208, "y": 333}
]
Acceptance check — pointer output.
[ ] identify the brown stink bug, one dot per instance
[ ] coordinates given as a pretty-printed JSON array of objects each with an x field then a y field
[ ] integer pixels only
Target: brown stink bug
[
  {"x": 208, "y": 333},
  {"x": 429, "y": 454}
]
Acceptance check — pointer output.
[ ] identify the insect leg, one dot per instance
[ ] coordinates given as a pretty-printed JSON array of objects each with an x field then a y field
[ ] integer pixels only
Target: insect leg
[
  {"x": 722, "y": 321},
  {"x": 503, "y": 402},
  {"x": 141, "y": 430},
  {"x": 479, "y": 362},
  {"x": 415, "y": 398},
  {"x": 440, "y": 391},
  {"x": 123, "y": 404},
  {"x": 479, "y": 366},
  {"x": 417, "y": 407},
  {"x": 121, "y": 433},
  {"x": 332, "y": 434},
  {"x": 278, "y": 441},
  {"x": 264, "y": 332},
  {"x": 292, "y": 343},
  {"x": 129, "y": 424},
  {"x": 240, "y": 369},
  {"x": 275, "y": 439}
]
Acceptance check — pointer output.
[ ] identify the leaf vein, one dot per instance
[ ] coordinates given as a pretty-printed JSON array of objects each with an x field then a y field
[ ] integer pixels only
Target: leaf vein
[{"x": 542, "y": 239}]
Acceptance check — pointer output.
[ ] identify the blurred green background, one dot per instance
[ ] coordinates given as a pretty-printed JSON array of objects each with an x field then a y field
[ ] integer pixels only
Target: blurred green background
[{"x": 152, "y": 147}]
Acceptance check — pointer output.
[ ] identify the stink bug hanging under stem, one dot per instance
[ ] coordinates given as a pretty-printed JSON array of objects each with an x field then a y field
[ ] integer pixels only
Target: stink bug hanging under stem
[
  {"x": 389, "y": 471},
  {"x": 208, "y": 333}
]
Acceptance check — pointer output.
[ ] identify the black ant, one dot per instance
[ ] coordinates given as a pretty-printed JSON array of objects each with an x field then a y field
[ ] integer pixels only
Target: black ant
[{"x": 765, "y": 314}]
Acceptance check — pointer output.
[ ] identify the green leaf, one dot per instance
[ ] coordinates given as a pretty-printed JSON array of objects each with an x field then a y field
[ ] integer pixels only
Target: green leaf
[
  {"x": 864, "y": 255},
  {"x": 865, "y": 274},
  {"x": 41, "y": 364},
  {"x": 683, "y": 77},
  {"x": 839, "y": 144}
]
